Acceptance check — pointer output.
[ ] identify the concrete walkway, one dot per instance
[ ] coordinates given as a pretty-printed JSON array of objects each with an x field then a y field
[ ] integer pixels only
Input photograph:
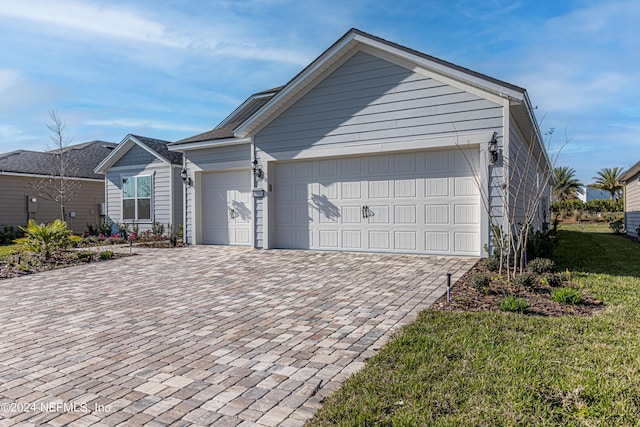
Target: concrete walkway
[{"x": 202, "y": 335}]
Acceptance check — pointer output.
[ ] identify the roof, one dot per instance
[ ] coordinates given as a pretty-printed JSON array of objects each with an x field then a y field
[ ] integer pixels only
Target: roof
[
  {"x": 222, "y": 132},
  {"x": 225, "y": 128},
  {"x": 156, "y": 147},
  {"x": 160, "y": 147},
  {"x": 630, "y": 173},
  {"x": 84, "y": 158}
]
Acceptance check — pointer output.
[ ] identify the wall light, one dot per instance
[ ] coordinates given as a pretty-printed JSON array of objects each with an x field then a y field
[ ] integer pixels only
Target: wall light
[
  {"x": 186, "y": 178},
  {"x": 257, "y": 171},
  {"x": 493, "y": 148}
]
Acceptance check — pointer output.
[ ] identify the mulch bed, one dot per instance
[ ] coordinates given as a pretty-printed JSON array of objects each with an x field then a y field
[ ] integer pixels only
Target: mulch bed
[
  {"x": 465, "y": 298},
  {"x": 21, "y": 265}
]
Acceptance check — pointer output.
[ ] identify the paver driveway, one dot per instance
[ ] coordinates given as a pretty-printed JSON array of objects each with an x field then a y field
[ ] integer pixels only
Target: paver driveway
[{"x": 202, "y": 335}]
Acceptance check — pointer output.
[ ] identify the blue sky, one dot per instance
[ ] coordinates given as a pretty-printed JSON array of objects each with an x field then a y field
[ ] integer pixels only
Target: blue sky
[{"x": 175, "y": 68}]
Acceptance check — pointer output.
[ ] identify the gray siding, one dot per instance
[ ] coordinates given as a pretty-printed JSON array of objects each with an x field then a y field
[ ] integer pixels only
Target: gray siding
[
  {"x": 368, "y": 99},
  {"x": 632, "y": 206},
  {"x": 161, "y": 193},
  {"x": 14, "y": 191},
  {"x": 136, "y": 155},
  {"x": 203, "y": 159},
  {"x": 527, "y": 178}
]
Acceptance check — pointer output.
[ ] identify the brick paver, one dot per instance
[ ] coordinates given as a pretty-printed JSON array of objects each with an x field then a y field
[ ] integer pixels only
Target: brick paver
[{"x": 202, "y": 335}]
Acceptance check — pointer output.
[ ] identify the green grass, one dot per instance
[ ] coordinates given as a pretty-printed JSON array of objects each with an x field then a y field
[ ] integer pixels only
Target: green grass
[
  {"x": 7, "y": 250},
  {"x": 478, "y": 369},
  {"x": 587, "y": 227}
]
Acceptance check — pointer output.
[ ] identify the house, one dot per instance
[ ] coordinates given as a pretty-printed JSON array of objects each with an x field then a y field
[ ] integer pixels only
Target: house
[
  {"x": 143, "y": 184},
  {"x": 372, "y": 147},
  {"x": 631, "y": 181},
  {"x": 29, "y": 181}
]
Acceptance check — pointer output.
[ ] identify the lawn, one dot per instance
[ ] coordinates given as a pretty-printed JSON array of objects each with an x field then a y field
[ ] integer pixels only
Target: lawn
[{"x": 496, "y": 368}]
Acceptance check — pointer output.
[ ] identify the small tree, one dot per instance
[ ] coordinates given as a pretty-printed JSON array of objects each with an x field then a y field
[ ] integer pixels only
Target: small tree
[
  {"x": 59, "y": 186},
  {"x": 608, "y": 179}
]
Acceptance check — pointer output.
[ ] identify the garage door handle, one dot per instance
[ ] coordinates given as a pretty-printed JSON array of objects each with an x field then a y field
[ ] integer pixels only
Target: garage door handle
[{"x": 366, "y": 212}]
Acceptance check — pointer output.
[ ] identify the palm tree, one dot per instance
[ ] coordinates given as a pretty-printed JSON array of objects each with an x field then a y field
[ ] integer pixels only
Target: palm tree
[
  {"x": 608, "y": 179},
  {"x": 567, "y": 186}
]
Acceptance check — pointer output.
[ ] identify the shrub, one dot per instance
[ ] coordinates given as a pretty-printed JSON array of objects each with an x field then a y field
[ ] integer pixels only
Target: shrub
[
  {"x": 541, "y": 265},
  {"x": 481, "y": 282},
  {"x": 47, "y": 238},
  {"x": 513, "y": 304},
  {"x": 566, "y": 295},
  {"x": 157, "y": 229},
  {"x": 8, "y": 234},
  {"x": 551, "y": 279},
  {"x": 617, "y": 226},
  {"x": 492, "y": 264},
  {"x": 106, "y": 254},
  {"x": 525, "y": 280},
  {"x": 540, "y": 244},
  {"x": 85, "y": 256}
]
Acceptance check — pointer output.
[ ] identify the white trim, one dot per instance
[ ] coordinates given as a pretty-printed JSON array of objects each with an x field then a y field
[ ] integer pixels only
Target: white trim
[
  {"x": 33, "y": 175},
  {"x": 221, "y": 166},
  {"x": 212, "y": 143},
  {"x": 152, "y": 209},
  {"x": 122, "y": 148},
  {"x": 142, "y": 167}
]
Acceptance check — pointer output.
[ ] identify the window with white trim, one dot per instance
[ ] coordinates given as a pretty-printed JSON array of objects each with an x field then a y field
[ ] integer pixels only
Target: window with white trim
[{"x": 136, "y": 198}]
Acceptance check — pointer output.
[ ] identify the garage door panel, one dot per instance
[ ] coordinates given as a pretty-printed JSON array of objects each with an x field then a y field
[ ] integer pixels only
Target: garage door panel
[
  {"x": 352, "y": 239},
  {"x": 379, "y": 189},
  {"x": 379, "y": 239},
  {"x": 226, "y": 208},
  {"x": 405, "y": 240},
  {"x": 437, "y": 241},
  {"x": 466, "y": 242},
  {"x": 383, "y": 203},
  {"x": 405, "y": 214},
  {"x": 436, "y": 214}
]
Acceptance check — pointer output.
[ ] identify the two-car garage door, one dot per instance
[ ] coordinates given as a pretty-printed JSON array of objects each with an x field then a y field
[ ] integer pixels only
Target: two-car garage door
[{"x": 423, "y": 202}]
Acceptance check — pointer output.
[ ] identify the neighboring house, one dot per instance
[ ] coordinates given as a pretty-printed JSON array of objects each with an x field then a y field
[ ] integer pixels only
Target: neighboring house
[
  {"x": 593, "y": 194},
  {"x": 631, "y": 181},
  {"x": 372, "y": 147},
  {"x": 143, "y": 183},
  {"x": 23, "y": 171}
]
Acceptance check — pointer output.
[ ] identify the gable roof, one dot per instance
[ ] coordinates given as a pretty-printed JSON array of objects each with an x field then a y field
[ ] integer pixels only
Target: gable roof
[
  {"x": 84, "y": 158},
  {"x": 225, "y": 129},
  {"x": 630, "y": 173},
  {"x": 354, "y": 40},
  {"x": 156, "y": 147}
]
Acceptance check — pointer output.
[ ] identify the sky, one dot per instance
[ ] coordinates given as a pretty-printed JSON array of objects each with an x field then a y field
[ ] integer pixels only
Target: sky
[{"x": 175, "y": 68}]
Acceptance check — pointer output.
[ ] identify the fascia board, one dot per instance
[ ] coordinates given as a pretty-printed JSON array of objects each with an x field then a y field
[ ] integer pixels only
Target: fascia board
[{"x": 209, "y": 144}]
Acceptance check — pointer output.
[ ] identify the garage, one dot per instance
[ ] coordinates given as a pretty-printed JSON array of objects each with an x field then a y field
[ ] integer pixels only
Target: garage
[
  {"x": 419, "y": 202},
  {"x": 226, "y": 208}
]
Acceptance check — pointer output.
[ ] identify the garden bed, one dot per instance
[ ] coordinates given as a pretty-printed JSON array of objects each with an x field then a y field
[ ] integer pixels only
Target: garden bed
[
  {"x": 466, "y": 298},
  {"x": 21, "y": 264}
]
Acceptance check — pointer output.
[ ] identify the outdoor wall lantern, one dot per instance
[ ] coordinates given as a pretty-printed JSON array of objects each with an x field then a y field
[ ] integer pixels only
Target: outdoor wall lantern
[
  {"x": 186, "y": 178},
  {"x": 493, "y": 148},
  {"x": 257, "y": 171}
]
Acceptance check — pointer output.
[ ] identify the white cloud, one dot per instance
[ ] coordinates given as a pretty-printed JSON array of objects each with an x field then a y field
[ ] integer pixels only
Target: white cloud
[
  {"x": 12, "y": 134},
  {"x": 142, "y": 123},
  {"x": 109, "y": 21},
  {"x": 9, "y": 78}
]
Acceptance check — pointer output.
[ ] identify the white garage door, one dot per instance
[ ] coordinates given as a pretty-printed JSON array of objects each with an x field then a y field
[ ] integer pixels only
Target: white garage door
[
  {"x": 226, "y": 208},
  {"x": 425, "y": 202}
]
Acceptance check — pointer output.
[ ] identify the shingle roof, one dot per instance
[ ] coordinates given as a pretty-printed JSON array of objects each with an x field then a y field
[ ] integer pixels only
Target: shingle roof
[
  {"x": 222, "y": 132},
  {"x": 160, "y": 147},
  {"x": 84, "y": 158},
  {"x": 631, "y": 172}
]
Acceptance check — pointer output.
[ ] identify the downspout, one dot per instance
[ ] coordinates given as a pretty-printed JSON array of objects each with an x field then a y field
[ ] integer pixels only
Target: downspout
[{"x": 185, "y": 200}]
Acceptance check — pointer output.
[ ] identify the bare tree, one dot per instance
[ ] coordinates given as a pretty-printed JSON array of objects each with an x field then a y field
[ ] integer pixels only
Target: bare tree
[
  {"x": 59, "y": 186},
  {"x": 512, "y": 195}
]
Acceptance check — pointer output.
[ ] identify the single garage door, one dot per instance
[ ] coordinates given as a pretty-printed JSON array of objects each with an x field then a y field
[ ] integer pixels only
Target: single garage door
[
  {"x": 423, "y": 202},
  {"x": 226, "y": 208}
]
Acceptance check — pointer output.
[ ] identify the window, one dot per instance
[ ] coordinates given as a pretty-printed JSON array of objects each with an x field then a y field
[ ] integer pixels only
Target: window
[{"x": 136, "y": 198}]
